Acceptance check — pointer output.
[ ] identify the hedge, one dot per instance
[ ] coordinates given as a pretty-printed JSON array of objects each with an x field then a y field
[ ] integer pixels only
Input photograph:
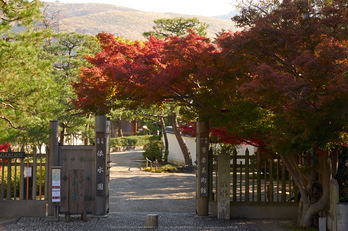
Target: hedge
[{"x": 132, "y": 140}]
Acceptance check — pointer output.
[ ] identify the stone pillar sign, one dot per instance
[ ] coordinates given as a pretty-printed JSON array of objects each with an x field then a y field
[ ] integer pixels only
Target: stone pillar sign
[{"x": 223, "y": 193}]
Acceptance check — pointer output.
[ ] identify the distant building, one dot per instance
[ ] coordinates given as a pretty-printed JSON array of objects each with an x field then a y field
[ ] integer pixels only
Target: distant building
[{"x": 127, "y": 128}]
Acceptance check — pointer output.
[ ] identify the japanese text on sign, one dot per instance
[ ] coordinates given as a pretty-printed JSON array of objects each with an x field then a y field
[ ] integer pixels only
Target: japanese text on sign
[
  {"x": 100, "y": 162},
  {"x": 56, "y": 184},
  {"x": 203, "y": 165}
]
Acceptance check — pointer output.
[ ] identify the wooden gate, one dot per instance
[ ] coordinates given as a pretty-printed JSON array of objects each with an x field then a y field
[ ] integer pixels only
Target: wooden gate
[
  {"x": 77, "y": 158},
  {"x": 84, "y": 169}
]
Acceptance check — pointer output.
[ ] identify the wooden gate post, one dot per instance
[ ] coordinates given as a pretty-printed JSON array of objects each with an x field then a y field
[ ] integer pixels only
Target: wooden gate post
[
  {"x": 53, "y": 161},
  {"x": 100, "y": 165},
  {"x": 203, "y": 171}
]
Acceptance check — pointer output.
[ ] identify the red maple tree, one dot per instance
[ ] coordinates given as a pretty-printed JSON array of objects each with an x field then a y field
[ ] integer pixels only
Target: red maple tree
[{"x": 293, "y": 58}]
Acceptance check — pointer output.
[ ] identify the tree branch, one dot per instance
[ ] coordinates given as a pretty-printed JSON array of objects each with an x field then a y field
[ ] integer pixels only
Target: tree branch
[
  {"x": 294, "y": 173},
  {"x": 11, "y": 124},
  {"x": 8, "y": 105}
]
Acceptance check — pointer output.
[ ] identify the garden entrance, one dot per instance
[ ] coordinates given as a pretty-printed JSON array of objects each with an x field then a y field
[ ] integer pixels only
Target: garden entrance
[
  {"x": 84, "y": 174},
  {"x": 70, "y": 179}
]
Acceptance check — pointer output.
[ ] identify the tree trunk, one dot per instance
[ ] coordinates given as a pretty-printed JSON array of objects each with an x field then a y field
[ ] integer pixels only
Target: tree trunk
[
  {"x": 62, "y": 135},
  {"x": 119, "y": 127},
  {"x": 166, "y": 144},
  {"x": 307, "y": 208},
  {"x": 181, "y": 141},
  {"x": 306, "y": 219},
  {"x": 86, "y": 139}
]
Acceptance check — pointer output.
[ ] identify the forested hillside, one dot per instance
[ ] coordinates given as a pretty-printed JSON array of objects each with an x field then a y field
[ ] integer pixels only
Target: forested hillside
[{"x": 92, "y": 18}]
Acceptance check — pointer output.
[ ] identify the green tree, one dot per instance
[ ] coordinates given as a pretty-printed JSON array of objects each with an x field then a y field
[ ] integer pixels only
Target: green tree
[
  {"x": 37, "y": 68},
  {"x": 20, "y": 13},
  {"x": 27, "y": 86},
  {"x": 68, "y": 51},
  {"x": 27, "y": 89},
  {"x": 167, "y": 27}
]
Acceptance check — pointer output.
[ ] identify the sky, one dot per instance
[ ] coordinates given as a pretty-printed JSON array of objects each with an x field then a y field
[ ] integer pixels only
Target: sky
[{"x": 191, "y": 7}]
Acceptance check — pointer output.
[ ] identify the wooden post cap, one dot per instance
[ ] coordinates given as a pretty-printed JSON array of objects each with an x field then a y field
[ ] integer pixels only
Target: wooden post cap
[{"x": 152, "y": 221}]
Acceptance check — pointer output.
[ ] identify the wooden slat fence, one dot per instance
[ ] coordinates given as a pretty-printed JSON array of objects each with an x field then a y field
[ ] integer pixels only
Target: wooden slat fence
[
  {"x": 15, "y": 186},
  {"x": 259, "y": 177}
]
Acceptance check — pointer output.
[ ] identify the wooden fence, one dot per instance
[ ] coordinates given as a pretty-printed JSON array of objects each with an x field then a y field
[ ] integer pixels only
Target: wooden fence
[
  {"x": 24, "y": 178},
  {"x": 259, "y": 179}
]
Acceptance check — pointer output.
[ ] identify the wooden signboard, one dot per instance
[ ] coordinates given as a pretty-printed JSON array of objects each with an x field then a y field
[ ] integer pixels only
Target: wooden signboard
[
  {"x": 203, "y": 165},
  {"x": 56, "y": 185},
  {"x": 28, "y": 171},
  {"x": 100, "y": 163},
  {"x": 9, "y": 155}
]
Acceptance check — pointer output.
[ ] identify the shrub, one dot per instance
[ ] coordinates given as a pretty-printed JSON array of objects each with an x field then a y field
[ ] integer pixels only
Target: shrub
[
  {"x": 17, "y": 179},
  {"x": 169, "y": 168},
  {"x": 164, "y": 169},
  {"x": 154, "y": 150},
  {"x": 153, "y": 138}
]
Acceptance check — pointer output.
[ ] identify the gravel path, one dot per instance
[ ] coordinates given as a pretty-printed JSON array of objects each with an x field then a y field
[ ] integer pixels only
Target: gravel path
[
  {"x": 135, "y": 193},
  {"x": 133, "y": 190}
]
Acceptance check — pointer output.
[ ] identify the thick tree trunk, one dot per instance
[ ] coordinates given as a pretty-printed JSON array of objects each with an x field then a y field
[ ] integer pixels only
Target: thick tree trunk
[
  {"x": 306, "y": 219},
  {"x": 308, "y": 208},
  {"x": 181, "y": 141}
]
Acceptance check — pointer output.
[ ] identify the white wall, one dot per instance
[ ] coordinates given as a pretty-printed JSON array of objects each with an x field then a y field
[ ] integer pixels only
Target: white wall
[
  {"x": 241, "y": 152},
  {"x": 175, "y": 154}
]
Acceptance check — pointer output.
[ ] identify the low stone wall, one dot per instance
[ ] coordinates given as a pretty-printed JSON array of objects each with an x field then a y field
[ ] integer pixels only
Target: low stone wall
[
  {"x": 260, "y": 210},
  {"x": 342, "y": 216},
  {"x": 126, "y": 148},
  {"x": 22, "y": 208},
  {"x": 331, "y": 212}
]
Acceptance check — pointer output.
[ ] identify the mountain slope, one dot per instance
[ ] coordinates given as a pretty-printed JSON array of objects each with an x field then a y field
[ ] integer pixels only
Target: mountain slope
[
  {"x": 228, "y": 16},
  {"x": 93, "y": 18}
]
